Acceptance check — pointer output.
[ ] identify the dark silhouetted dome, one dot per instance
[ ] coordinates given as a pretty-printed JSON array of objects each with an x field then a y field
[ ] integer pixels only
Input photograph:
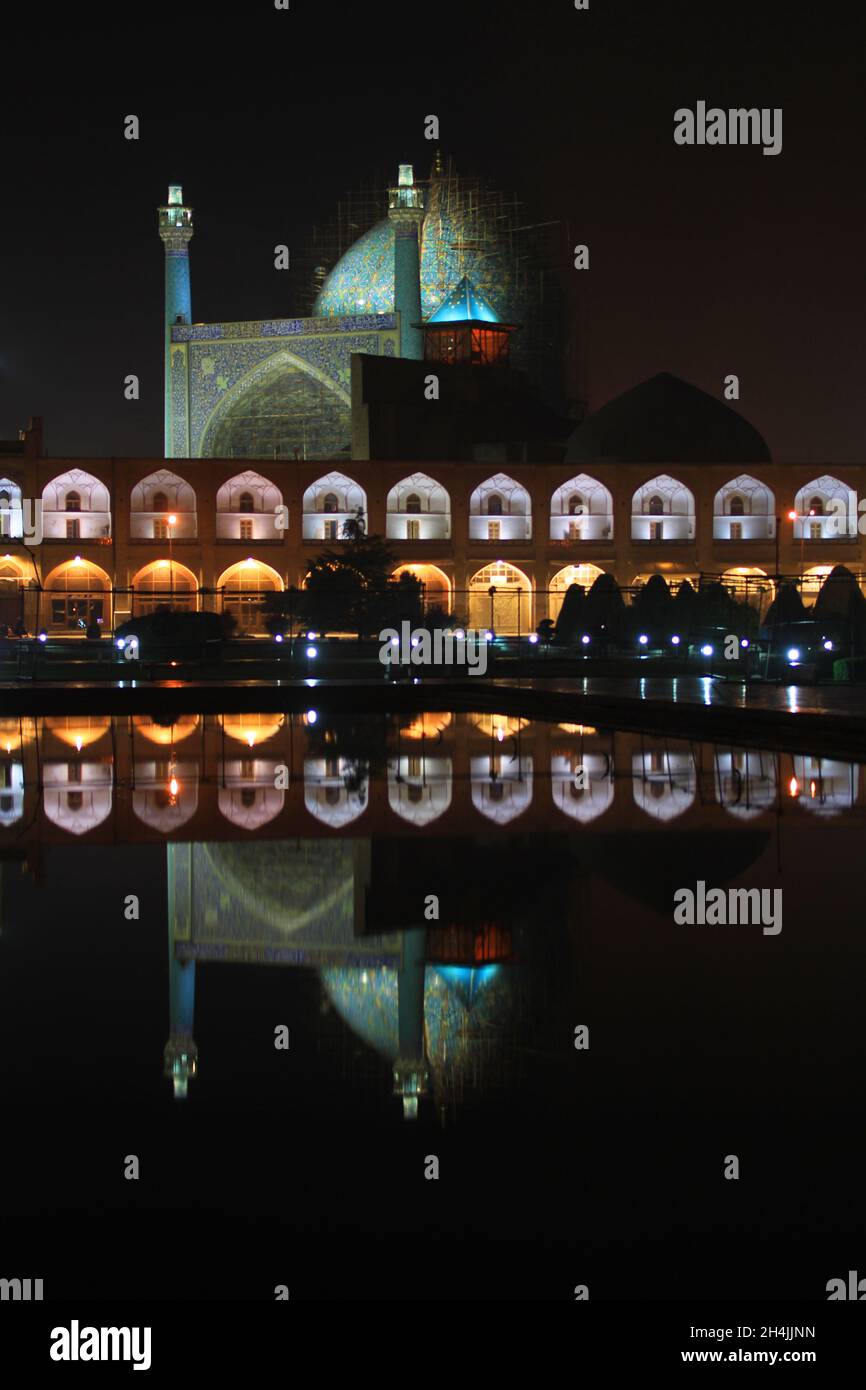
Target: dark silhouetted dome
[{"x": 666, "y": 420}]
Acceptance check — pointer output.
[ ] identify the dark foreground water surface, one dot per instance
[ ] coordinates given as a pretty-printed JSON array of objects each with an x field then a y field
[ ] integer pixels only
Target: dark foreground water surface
[{"x": 430, "y": 913}]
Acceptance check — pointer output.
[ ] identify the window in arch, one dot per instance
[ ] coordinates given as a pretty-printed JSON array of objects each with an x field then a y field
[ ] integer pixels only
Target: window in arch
[
  {"x": 73, "y": 530},
  {"x": 330, "y": 531},
  {"x": 73, "y": 501},
  {"x": 413, "y": 530},
  {"x": 656, "y": 506},
  {"x": 494, "y": 529},
  {"x": 413, "y": 502},
  {"x": 330, "y": 502},
  {"x": 816, "y": 505},
  {"x": 160, "y": 530},
  {"x": 736, "y": 530},
  {"x": 494, "y": 504},
  {"x": 737, "y": 508},
  {"x": 575, "y": 505},
  {"x": 160, "y": 502},
  {"x": 246, "y": 530},
  {"x": 246, "y": 502}
]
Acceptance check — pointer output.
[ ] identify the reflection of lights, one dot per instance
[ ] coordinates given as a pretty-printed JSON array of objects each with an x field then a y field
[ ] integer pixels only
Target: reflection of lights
[
  {"x": 500, "y": 735},
  {"x": 79, "y": 744},
  {"x": 43, "y": 637},
  {"x": 828, "y": 646},
  {"x": 533, "y": 637},
  {"x": 251, "y": 740},
  {"x": 174, "y": 786},
  {"x": 812, "y": 790},
  {"x": 278, "y": 637},
  {"x": 310, "y": 636},
  {"x": 707, "y": 683},
  {"x": 706, "y": 649},
  {"x": 744, "y": 641},
  {"x": 794, "y": 787},
  {"x": 585, "y": 640},
  {"x": 793, "y": 653},
  {"x": 415, "y": 641},
  {"x": 488, "y": 636},
  {"x": 643, "y": 639},
  {"x": 77, "y": 560},
  {"x": 459, "y": 634},
  {"x": 312, "y": 652},
  {"x": 792, "y": 699},
  {"x": 675, "y": 641},
  {"x": 311, "y": 716}
]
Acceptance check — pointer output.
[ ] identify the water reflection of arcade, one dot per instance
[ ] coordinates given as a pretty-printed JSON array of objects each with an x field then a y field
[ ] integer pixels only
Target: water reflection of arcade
[{"x": 279, "y": 776}]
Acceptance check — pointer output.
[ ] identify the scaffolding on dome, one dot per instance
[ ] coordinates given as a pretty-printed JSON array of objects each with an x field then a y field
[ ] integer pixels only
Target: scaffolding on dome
[{"x": 473, "y": 229}]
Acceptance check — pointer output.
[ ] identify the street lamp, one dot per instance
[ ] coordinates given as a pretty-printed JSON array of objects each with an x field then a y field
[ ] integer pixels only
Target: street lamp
[{"x": 172, "y": 522}]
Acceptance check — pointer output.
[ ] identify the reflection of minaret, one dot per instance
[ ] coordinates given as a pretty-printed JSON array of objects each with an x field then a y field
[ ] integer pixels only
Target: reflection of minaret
[
  {"x": 181, "y": 1054},
  {"x": 406, "y": 212},
  {"x": 175, "y": 229},
  {"x": 410, "y": 1067}
]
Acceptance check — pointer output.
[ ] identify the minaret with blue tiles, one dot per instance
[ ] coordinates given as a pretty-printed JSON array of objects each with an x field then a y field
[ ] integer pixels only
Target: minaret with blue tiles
[
  {"x": 175, "y": 230},
  {"x": 406, "y": 213}
]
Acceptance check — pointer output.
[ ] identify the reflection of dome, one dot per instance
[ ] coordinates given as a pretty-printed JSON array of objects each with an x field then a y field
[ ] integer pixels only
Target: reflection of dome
[
  {"x": 666, "y": 420},
  {"x": 14, "y": 732},
  {"x": 460, "y": 1003},
  {"x": 650, "y": 868},
  {"x": 288, "y": 888}
]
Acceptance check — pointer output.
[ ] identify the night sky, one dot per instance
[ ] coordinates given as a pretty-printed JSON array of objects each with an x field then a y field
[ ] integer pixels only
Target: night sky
[{"x": 704, "y": 261}]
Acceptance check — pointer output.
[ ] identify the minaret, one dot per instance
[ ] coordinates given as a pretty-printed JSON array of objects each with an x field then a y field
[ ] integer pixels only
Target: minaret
[
  {"x": 175, "y": 230},
  {"x": 410, "y": 1066},
  {"x": 406, "y": 211},
  {"x": 180, "y": 1056}
]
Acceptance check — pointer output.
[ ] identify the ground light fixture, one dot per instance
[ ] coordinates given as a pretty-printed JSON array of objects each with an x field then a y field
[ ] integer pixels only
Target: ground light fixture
[
  {"x": 488, "y": 636},
  {"x": 312, "y": 652},
  {"x": 585, "y": 640},
  {"x": 643, "y": 639},
  {"x": 533, "y": 637},
  {"x": 744, "y": 641},
  {"x": 675, "y": 641},
  {"x": 43, "y": 636},
  {"x": 793, "y": 653},
  {"x": 706, "y": 649},
  {"x": 828, "y": 645}
]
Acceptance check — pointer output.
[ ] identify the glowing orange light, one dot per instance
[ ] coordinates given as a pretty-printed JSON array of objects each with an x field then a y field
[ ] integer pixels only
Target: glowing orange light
[
  {"x": 794, "y": 787},
  {"x": 812, "y": 790},
  {"x": 173, "y": 786},
  {"x": 172, "y": 521}
]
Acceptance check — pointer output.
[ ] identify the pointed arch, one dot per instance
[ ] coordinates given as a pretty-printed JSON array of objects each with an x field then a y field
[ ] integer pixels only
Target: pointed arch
[
  {"x": 419, "y": 509},
  {"x": 157, "y": 497},
  {"x": 246, "y": 508},
  {"x": 744, "y": 509},
  {"x": 507, "y": 503},
  {"x": 297, "y": 389},
  {"x": 826, "y": 510},
  {"x": 321, "y": 522},
  {"x": 76, "y": 506},
  {"x": 581, "y": 509},
  {"x": 509, "y": 609},
  {"x": 663, "y": 509}
]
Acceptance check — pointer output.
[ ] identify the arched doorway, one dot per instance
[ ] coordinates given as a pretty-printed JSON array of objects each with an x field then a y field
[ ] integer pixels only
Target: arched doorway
[
  {"x": 750, "y": 585},
  {"x": 437, "y": 586},
  {"x": 508, "y": 609},
  {"x": 584, "y": 575},
  {"x": 164, "y": 584},
  {"x": 77, "y": 594},
  {"x": 244, "y": 587}
]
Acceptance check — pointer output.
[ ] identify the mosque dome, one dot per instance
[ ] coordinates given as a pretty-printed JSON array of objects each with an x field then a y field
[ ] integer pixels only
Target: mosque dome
[
  {"x": 452, "y": 246},
  {"x": 666, "y": 420}
]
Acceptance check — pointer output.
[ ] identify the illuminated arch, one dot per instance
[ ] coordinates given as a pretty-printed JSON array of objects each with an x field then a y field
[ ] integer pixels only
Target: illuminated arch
[
  {"x": 751, "y": 585},
  {"x": 247, "y": 508},
  {"x": 418, "y": 508},
  {"x": 744, "y": 509},
  {"x": 164, "y": 584},
  {"x": 247, "y": 796},
  {"x": 581, "y": 510},
  {"x": 511, "y": 604},
  {"x": 77, "y": 796},
  {"x": 813, "y": 579},
  {"x": 11, "y": 513},
  {"x": 251, "y": 729},
  {"x": 78, "y": 731},
  {"x": 437, "y": 586},
  {"x": 507, "y": 502},
  {"x": 11, "y": 793},
  {"x": 165, "y": 735},
  {"x": 154, "y": 499},
  {"x": 585, "y": 575},
  {"x": 77, "y": 592},
  {"x": 244, "y": 586},
  {"x": 419, "y": 787},
  {"x": 501, "y": 785},
  {"x": 824, "y": 786},
  {"x": 329, "y": 794},
  {"x": 321, "y": 523},
  {"x": 835, "y": 506},
  {"x": 90, "y": 519},
  {"x": 166, "y": 793},
  {"x": 283, "y": 407},
  {"x": 746, "y": 782},
  {"x": 663, "y": 509},
  {"x": 663, "y": 783}
]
